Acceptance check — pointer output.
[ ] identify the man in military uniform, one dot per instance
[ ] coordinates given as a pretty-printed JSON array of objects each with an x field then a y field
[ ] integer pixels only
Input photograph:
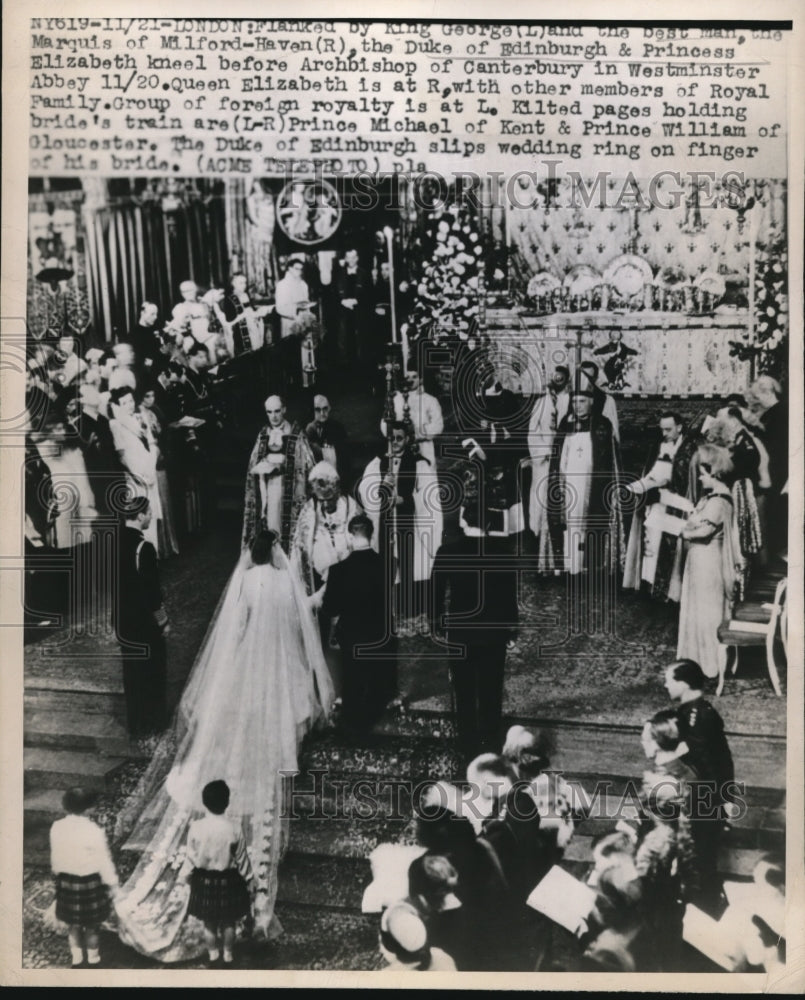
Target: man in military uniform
[{"x": 702, "y": 729}]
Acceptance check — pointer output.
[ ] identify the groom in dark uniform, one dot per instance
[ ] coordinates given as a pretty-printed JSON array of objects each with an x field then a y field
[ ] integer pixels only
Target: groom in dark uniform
[{"x": 357, "y": 595}]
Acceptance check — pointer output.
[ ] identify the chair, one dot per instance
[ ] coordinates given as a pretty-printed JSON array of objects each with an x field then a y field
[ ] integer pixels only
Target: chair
[{"x": 756, "y": 623}]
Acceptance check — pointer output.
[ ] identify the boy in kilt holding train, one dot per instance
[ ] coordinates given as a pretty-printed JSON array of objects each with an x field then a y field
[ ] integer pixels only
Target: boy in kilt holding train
[{"x": 221, "y": 870}]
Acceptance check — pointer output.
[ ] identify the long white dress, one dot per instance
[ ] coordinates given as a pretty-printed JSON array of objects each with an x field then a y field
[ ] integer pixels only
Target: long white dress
[
  {"x": 708, "y": 583},
  {"x": 260, "y": 682}
]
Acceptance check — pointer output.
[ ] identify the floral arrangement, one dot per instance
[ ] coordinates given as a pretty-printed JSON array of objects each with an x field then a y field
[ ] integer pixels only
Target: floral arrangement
[
  {"x": 307, "y": 325},
  {"x": 447, "y": 286},
  {"x": 771, "y": 311}
]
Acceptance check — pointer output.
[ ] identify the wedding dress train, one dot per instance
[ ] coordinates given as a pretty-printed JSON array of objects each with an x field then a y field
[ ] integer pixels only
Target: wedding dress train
[{"x": 259, "y": 683}]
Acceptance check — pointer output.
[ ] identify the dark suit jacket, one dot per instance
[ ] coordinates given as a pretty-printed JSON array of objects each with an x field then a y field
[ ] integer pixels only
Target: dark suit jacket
[
  {"x": 480, "y": 575},
  {"x": 332, "y": 433},
  {"x": 146, "y": 343},
  {"x": 354, "y": 286},
  {"x": 702, "y": 728},
  {"x": 356, "y": 592},
  {"x": 138, "y": 601},
  {"x": 775, "y": 424}
]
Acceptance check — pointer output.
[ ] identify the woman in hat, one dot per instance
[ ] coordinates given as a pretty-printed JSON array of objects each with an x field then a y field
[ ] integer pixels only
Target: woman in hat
[
  {"x": 404, "y": 943},
  {"x": 712, "y": 565}
]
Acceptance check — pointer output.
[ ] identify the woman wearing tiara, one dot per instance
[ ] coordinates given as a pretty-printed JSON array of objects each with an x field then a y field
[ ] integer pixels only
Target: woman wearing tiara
[{"x": 259, "y": 684}]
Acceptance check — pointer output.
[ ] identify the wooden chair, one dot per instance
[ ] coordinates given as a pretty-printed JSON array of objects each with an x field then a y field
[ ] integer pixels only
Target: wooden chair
[{"x": 756, "y": 623}]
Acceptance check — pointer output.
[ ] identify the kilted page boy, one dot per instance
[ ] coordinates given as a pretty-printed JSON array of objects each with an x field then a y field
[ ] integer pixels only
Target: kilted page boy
[
  {"x": 84, "y": 870},
  {"x": 219, "y": 893}
]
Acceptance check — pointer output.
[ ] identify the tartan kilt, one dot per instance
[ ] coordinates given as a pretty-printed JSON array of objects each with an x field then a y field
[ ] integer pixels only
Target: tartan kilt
[
  {"x": 82, "y": 900},
  {"x": 218, "y": 897}
]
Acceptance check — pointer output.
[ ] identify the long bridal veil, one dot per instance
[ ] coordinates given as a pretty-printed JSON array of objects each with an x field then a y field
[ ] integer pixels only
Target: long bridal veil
[{"x": 259, "y": 683}]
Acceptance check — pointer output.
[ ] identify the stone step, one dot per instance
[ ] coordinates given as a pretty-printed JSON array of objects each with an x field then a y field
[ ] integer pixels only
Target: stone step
[
  {"x": 105, "y": 703},
  {"x": 68, "y": 730},
  {"x": 100, "y": 674},
  {"x": 41, "y": 807},
  {"x": 759, "y": 760},
  {"x": 420, "y": 757},
  {"x": 338, "y": 882},
  {"x": 355, "y": 835},
  {"x": 44, "y": 768},
  {"x": 86, "y": 687}
]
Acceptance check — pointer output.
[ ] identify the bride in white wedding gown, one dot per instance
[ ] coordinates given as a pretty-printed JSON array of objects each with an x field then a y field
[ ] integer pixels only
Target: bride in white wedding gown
[{"x": 259, "y": 683}]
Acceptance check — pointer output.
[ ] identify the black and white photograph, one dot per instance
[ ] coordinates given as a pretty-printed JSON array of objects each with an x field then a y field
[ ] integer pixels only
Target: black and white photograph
[{"x": 402, "y": 436}]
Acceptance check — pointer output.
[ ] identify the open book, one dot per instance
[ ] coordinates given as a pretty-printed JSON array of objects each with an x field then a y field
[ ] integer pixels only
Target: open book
[
  {"x": 562, "y": 899},
  {"x": 707, "y": 936}
]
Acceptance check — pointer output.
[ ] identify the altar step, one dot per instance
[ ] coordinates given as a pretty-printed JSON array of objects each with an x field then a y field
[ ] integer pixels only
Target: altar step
[
  {"x": 94, "y": 688},
  {"x": 63, "y": 769},
  {"x": 64, "y": 729}
]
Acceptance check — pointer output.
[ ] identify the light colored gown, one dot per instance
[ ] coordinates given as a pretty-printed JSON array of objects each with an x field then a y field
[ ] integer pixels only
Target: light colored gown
[
  {"x": 260, "y": 682},
  {"x": 708, "y": 583}
]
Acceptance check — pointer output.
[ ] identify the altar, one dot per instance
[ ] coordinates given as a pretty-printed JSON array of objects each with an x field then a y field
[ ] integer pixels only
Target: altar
[{"x": 638, "y": 354}]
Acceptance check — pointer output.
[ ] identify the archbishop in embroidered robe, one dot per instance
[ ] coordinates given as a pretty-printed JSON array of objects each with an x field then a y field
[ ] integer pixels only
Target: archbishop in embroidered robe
[{"x": 584, "y": 508}]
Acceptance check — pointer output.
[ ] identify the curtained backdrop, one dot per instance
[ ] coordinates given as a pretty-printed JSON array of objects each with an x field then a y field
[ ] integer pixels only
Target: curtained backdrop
[
  {"x": 135, "y": 240},
  {"x": 142, "y": 243}
]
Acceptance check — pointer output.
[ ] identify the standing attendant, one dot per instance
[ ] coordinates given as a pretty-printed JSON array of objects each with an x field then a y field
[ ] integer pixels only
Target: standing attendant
[
  {"x": 765, "y": 400},
  {"x": 653, "y": 553},
  {"x": 408, "y": 528},
  {"x": 480, "y": 576},
  {"x": 137, "y": 451},
  {"x": 585, "y": 466},
  {"x": 549, "y": 409},
  {"x": 702, "y": 729},
  {"x": 712, "y": 565},
  {"x": 327, "y": 436},
  {"x": 145, "y": 339},
  {"x": 426, "y": 423},
  {"x": 141, "y": 623},
  {"x": 84, "y": 873},
  {"x": 353, "y": 286},
  {"x": 244, "y": 322},
  {"x": 292, "y": 295}
]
